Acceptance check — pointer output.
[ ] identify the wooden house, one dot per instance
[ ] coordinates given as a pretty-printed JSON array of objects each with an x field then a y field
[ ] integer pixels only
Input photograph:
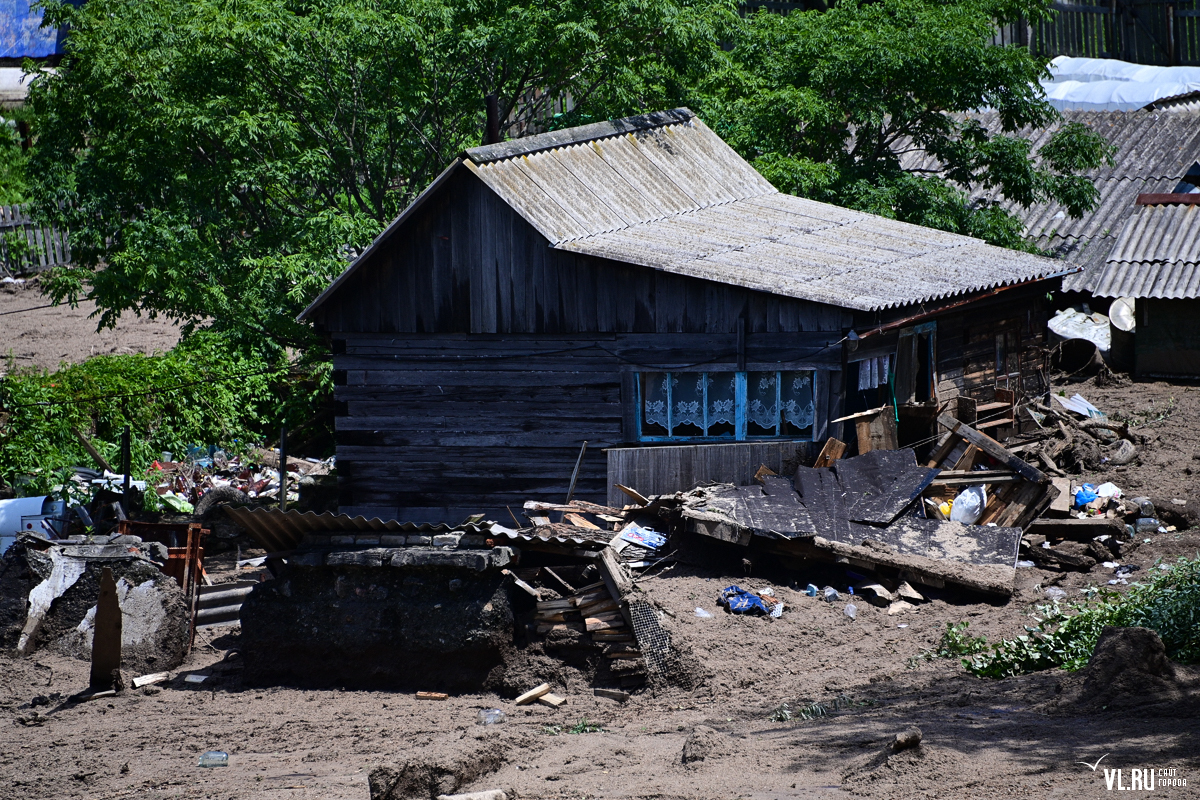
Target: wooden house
[{"x": 636, "y": 285}]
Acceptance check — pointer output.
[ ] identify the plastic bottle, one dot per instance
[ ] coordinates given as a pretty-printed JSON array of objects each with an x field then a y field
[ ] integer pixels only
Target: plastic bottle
[
  {"x": 850, "y": 610},
  {"x": 831, "y": 595},
  {"x": 492, "y": 716},
  {"x": 214, "y": 758}
]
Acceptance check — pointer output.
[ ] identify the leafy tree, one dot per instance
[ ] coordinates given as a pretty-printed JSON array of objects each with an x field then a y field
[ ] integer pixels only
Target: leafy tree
[
  {"x": 826, "y": 104},
  {"x": 218, "y": 157},
  {"x": 13, "y": 124}
]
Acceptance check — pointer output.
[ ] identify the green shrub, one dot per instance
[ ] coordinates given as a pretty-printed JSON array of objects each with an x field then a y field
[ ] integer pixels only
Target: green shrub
[
  {"x": 1066, "y": 634},
  {"x": 201, "y": 392}
]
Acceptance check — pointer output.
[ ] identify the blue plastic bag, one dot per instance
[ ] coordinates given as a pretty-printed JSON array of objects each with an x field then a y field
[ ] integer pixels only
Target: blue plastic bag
[
  {"x": 740, "y": 601},
  {"x": 1084, "y": 495}
]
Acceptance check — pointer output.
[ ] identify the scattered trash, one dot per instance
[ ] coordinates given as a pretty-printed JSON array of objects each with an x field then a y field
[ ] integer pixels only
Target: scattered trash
[
  {"x": 491, "y": 716},
  {"x": 1085, "y": 494},
  {"x": 968, "y": 505},
  {"x": 1025, "y": 564},
  {"x": 850, "y": 610},
  {"x": 830, "y": 594},
  {"x": 214, "y": 758},
  {"x": 740, "y": 601},
  {"x": 194, "y": 678},
  {"x": 643, "y": 536},
  {"x": 702, "y": 614},
  {"x": 432, "y": 696},
  {"x": 1055, "y": 593},
  {"x": 811, "y": 590}
]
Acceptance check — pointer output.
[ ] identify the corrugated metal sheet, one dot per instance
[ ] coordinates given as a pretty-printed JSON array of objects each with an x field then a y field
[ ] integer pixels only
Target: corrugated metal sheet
[
  {"x": 1154, "y": 150},
  {"x": 1156, "y": 255},
  {"x": 280, "y": 531},
  {"x": 675, "y": 197}
]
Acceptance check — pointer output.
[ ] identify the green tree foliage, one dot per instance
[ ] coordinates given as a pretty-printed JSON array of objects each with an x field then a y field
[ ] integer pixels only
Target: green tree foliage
[
  {"x": 217, "y": 157},
  {"x": 825, "y": 103},
  {"x": 12, "y": 155},
  {"x": 199, "y": 393}
]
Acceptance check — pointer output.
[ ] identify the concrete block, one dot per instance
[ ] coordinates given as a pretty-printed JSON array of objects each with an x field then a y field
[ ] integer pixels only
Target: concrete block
[
  {"x": 419, "y": 540},
  {"x": 472, "y": 540},
  {"x": 372, "y": 539},
  {"x": 392, "y": 540},
  {"x": 355, "y": 558},
  {"x": 343, "y": 539},
  {"x": 446, "y": 539}
]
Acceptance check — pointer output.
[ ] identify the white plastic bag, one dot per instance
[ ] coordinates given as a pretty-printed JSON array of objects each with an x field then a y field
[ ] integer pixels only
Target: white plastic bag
[{"x": 968, "y": 506}]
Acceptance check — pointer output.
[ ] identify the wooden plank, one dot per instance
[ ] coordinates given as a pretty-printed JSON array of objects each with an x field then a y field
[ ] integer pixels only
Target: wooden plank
[
  {"x": 831, "y": 452},
  {"x": 541, "y": 690},
  {"x": 432, "y": 696},
  {"x": 552, "y": 700},
  {"x": 147, "y": 680},
  {"x": 578, "y": 521},
  {"x": 593, "y": 624},
  {"x": 612, "y": 694},
  {"x": 634, "y": 495},
  {"x": 993, "y": 448}
]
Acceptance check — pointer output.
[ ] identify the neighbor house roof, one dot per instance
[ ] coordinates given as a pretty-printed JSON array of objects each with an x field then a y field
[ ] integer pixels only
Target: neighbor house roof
[
  {"x": 1157, "y": 254},
  {"x": 1153, "y": 152},
  {"x": 663, "y": 191}
]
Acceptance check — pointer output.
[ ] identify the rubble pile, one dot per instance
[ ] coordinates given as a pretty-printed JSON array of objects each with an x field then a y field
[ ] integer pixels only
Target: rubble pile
[{"x": 1074, "y": 436}]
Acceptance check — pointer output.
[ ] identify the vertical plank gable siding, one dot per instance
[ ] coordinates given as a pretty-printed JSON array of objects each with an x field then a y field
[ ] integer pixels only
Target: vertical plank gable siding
[{"x": 472, "y": 360}]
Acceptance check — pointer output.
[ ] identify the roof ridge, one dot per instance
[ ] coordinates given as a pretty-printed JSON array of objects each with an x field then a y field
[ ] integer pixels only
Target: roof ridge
[{"x": 578, "y": 135}]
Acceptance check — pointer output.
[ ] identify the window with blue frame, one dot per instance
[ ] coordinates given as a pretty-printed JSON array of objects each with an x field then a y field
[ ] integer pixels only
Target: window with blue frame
[{"x": 725, "y": 405}]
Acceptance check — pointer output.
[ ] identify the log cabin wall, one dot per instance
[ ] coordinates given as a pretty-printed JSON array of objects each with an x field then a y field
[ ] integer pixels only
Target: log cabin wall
[{"x": 471, "y": 360}]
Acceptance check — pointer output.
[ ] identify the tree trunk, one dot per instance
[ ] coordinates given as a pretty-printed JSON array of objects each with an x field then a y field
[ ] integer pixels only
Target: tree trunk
[{"x": 492, "y": 134}]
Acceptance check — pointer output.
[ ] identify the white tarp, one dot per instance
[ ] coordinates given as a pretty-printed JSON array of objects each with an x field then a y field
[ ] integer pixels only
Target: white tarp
[
  {"x": 1082, "y": 323},
  {"x": 1106, "y": 84}
]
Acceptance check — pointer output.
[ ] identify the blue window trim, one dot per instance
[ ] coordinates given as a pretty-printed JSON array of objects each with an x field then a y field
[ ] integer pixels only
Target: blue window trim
[{"x": 739, "y": 405}]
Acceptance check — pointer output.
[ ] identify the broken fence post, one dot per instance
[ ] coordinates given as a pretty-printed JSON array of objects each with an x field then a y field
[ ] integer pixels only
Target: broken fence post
[
  {"x": 106, "y": 637},
  {"x": 575, "y": 472}
]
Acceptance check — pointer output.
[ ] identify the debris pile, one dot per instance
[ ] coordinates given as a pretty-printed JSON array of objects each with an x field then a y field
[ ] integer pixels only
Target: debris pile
[
  {"x": 182, "y": 485},
  {"x": 1074, "y": 436}
]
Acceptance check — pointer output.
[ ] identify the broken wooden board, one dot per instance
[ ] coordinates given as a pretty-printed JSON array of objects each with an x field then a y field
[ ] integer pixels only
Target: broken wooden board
[
  {"x": 148, "y": 680},
  {"x": 612, "y": 694},
  {"x": 552, "y": 700},
  {"x": 831, "y": 452},
  {"x": 1079, "y": 530},
  {"x": 633, "y": 495},
  {"x": 432, "y": 696},
  {"x": 993, "y": 448},
  {"x": 533, "y": 694}
]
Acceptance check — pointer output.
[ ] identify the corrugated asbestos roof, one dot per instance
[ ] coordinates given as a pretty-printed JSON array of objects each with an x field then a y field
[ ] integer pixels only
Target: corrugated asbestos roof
[
  {"x": 663, "y": 191},
  {"x": 1154, "y": 150},
  {"x": 1156, "y": 255},
  {"x": 675, "y": 197}
]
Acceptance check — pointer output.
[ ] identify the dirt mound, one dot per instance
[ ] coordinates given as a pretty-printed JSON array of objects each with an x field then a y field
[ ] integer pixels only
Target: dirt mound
[
  {"x": 1129, "y": 668},
  {"x": 703, "y": 743},
  {"x": 910, "y": 772}
]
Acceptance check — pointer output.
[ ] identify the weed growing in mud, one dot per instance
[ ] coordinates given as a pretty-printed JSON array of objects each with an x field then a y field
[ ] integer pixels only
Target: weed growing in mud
[
  {"x": 1065, "y": 635},
  {"x": 785, "y": 713},
  {"x": 583, "y": 726},
  {"x": 955, "y": 643}
]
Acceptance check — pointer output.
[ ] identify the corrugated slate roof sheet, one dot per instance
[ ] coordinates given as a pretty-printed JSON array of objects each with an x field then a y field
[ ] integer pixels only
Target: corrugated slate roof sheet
[
  {"x": 1156, "y": 255},
  {"x": 279, "y": 531},
  {"x": 675, "y": 197},
  {"x": 1154, "y": 150}
]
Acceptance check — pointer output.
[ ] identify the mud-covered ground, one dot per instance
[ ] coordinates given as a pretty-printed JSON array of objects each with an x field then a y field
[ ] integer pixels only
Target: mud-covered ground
[
  {"x": 32, "y": 335},
  {"x": 982, "y": 738}
]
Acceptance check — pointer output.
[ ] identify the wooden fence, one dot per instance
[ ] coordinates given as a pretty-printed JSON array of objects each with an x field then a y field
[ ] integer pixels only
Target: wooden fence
[
  {"x": 27, "y": 247},
  {"x": 1159, "y": 32}
]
